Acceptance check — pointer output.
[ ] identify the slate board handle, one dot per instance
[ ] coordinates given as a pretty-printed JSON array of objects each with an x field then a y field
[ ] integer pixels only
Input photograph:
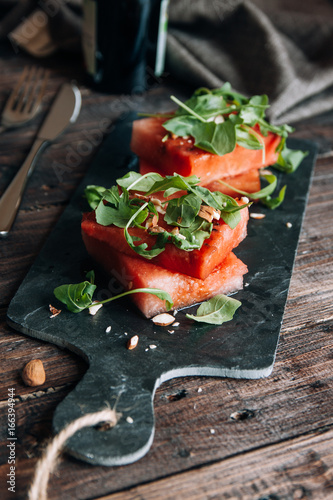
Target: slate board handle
[{"x": 129, "y": 395}]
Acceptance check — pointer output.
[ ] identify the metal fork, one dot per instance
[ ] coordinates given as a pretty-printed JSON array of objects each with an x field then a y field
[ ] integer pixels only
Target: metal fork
[{"x": 25, "y": 99}]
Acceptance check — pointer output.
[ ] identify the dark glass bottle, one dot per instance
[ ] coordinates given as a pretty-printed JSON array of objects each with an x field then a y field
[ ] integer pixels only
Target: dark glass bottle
[{"x": 120, "y": 40}]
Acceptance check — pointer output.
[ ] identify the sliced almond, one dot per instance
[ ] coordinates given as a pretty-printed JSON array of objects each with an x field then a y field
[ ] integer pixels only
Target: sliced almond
[
  {"x": 163, "y": 319},
  {"x": 156, "y": 229},
  {"x": 156, "y": 201},
  {"x": 94, "y": 308},
  {"x": 151, "y": 221},
  {"x": 209, "y": 213},
  {"x": 160, "y": 209},
  {"x": 132, "y": 342},
  {"x": 141, "y": 196}
]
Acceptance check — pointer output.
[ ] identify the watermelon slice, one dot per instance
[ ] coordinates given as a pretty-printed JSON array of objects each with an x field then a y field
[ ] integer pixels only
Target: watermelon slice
[
  {"x": 183, "y": 289},
  {"x": 196, "y": 263},
  {"x": 248, "y": 181},
  {"x": 181, "y": 156}
]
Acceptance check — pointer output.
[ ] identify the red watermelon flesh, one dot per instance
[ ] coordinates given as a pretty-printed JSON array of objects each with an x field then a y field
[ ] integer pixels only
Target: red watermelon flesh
[
  {"x": 183, "y": 289},
  {"x": 181, "y": 156},
  {"x": 248, "y": 181},
  {"x": 196, "y": 263}
]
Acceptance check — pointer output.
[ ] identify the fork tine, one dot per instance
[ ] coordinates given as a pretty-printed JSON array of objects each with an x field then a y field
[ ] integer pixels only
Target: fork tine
[
  {"x": 14, "y": 95},
  {"x": 36, "y": 91},
  {"x": 26, "y": 89},
  {"x": 43, "y": 81}
]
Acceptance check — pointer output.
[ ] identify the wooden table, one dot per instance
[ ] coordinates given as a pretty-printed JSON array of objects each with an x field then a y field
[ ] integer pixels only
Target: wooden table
[{"x": 215, "y": 438}]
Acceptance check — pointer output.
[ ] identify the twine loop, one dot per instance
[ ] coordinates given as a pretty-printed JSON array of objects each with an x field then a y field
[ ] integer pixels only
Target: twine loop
[{"x": 48, "y": 462}]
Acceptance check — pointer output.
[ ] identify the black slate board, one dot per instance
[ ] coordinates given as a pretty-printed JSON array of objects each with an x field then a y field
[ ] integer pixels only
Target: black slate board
[{"x": 242, "y": 348}]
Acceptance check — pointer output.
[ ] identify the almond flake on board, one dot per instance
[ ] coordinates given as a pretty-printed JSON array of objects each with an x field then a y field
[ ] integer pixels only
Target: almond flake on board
[
  {"x": 54, "y": 312},
  {"x": 132, "y": 342},
  {"x": 257, "y": 216},
  {"x": 163, "y": 319},
  {"x": 94, "y": 308}
]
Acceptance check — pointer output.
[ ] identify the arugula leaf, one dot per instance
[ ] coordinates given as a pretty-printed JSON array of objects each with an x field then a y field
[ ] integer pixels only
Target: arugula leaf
[
  {"x": 289, "y": 159},
  {"x": 267, "y": 190},
  {"x": 217, "y": 138},
  {"x": 119, "y": 215},
  {"x": 230, "y": 94},
  {"x": 183, "y": 211},
  {"x": 247, "y": 139},
  {"x": 90, "y": 275},
  {"x": 94, "y": 194},
  {"x": 181, "y": 125},
  {"x": 216, "y": 310},
  {"x": 76, "y": 297},
  {"x": 255, "y": 110},
  {"x": 141, "y": 249},
  {"x": 218, "y": 119},
  {"x": 176, "y": 182},
  {"x": 122, "y": 210},
  {"x": 228, "y": 206},
  {"x": 194, "y": 235},
  {"x": 134, "y": 180},
  {"x": 273, "y": 203}
]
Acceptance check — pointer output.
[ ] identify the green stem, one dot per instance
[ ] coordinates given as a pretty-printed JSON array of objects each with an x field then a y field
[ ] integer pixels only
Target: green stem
[
  {"x": 139, "y": 179},
  {"x": 120, "y": 295},
  {"x": 189, "y": 110},
  {"x": 259, "y": 137}
]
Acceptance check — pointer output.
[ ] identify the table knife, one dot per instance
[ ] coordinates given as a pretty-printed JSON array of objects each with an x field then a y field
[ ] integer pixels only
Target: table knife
[{"x": 64, "y": 110}]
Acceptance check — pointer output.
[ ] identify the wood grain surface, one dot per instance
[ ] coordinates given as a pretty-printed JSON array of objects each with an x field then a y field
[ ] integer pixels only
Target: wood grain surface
[{"x": 215, "y": 438}]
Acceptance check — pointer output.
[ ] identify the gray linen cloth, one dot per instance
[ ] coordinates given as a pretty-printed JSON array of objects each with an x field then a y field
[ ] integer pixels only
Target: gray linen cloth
[
  {"x": 276, "y": 47},
  {"x": 282, "y": 48}
]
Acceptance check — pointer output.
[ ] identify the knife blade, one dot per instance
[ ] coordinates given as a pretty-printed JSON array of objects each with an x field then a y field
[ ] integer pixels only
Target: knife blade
[{"x": 64, "y": 110}]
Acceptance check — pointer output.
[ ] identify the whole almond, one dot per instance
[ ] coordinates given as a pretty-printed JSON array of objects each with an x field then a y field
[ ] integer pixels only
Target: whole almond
[{"x": 33, "y": 373}]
